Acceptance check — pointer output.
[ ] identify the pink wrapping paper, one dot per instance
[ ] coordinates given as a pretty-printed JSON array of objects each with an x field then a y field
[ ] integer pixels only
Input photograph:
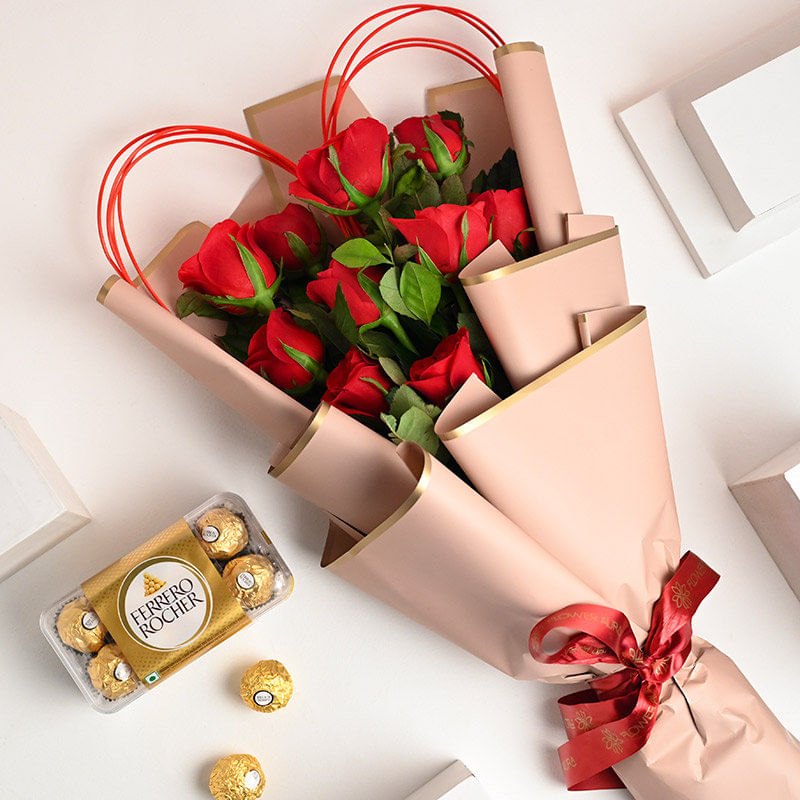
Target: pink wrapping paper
[
  {"x": 538, "y": 140},
  {"x": 449, "y": 560},
  {"x": 582, "y": 275}
]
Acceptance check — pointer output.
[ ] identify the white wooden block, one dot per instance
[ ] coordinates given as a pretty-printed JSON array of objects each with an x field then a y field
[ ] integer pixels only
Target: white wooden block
[
  {"x": 37, "y": 505},
  {"x": 770, "y": 498},
  {"x": 455, "y": 783},
  {"x": 651, "y": 129},
  {"x": 745, "y": 136}
]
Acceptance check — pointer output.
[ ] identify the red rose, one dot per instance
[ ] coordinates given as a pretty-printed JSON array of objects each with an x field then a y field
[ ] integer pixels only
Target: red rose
[
  {"x": 438, "y": 143},
  {"x": 219, "y": 270},
  {"x": 442, "y": 373},
  {"x": 323, "y": 290},
  {"x": 267, "y": 353},
  {"x": 348, "y": 172},
  {"x": 271, "y": 235},
  {"x": 507, "y": 213},
  {"x": 438, "y": 230},
  {"x": 349, "y": 387}
]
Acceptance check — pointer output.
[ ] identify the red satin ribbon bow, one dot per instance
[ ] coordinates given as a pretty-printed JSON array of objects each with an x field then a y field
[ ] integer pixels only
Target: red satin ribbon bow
[{"x": 613, "y": 719}]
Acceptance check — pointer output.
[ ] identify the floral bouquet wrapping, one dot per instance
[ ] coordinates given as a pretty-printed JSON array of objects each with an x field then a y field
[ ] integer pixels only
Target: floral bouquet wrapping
[{"x": 441, "y": 344}]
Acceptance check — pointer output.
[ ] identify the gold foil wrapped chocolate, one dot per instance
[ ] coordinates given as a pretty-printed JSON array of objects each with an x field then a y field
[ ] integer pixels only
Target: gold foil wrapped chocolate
[
  {"x": 79, "y": 626},
  {"x": 267, "y": 686},
  {"x": 250, "y": 578},
  {"x": 222, "y": 533},
  {"x": 111, "y": 674},
  {"x": 237, "y": 777}
]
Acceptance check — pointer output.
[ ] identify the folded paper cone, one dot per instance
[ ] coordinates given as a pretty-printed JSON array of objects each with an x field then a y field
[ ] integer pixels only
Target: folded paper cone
[
  {"x": 451, "y": 561},
  {"x": 538, "y": 140},
  {"x": 528, "y": 308},
  {"x": 577, "y": 459}
]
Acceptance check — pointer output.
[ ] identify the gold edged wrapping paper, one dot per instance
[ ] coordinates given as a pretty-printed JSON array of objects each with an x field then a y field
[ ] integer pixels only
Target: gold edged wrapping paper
[
  {"x": 344, "y": 468},
  {"x": 578, "y": 460},
  {"x": 539, "y": 141},
  {"x": 449, "y": 560},
  {"x": 528, "y": 308},
  {"x": 168, "y": 580}
]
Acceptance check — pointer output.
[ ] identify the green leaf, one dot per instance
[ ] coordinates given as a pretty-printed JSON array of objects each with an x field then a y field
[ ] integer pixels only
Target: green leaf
[
  {"x": 429, "y": 194},
  {"x": 478, "y": 340},
  {"x": 420, "y": 290},
  {"x": 236, "y": 339},
  {"x": 504, "y": 174},
  {"x": 416, "y": 426},
  {"x": 323, "y": 323},
  {"x": 379, "y": 344},
  {"x": 392, "y": 369},
  {"x": 306, "y": 362},
  {"x": 390, "y": 292},
  {"x": 453, "y": 191},
  {"x": 342, "y": 317},
  {"x": 300, "y": 250},
  {"x": 488, "y": 370},
  {"x": 427, "y": 262},
  {"x": 192, "y": 302},
  {"x": 251, "y": 266},
  {"x": 383, "y": 390},
  {"x": 452, "y": 116},
  {"x": 405, "y": 397},
  {"x": 411, "y": 181},
  {"x": 371, "y": 288},
  {"x": 358, "y": 253},
  {"x": 404, "y": 252}
]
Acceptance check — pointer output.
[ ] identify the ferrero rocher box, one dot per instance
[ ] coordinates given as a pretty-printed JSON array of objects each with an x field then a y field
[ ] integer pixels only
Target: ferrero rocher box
[{"x": 171, "y": 599}]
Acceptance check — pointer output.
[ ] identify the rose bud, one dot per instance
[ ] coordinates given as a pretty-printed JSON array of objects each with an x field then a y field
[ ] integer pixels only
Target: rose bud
[
  {"x": 439, "y": 375},
  {"x": 232, "y": 271},
  {"x": 508, "y": 217},
  {"x": 451, "y": 235},
  {"x": 292, "y": 237},
  {"x": 352, "y": 385},
  {"x": 439, "y": 143},
  {"x": 347, "y": 174},
  {"x": 286, "y": 354},
  {"x": 323, "y": 290}
]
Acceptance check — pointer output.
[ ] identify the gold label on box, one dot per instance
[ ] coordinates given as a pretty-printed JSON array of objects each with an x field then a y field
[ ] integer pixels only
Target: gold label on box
[{"x": 164, "y": 603}]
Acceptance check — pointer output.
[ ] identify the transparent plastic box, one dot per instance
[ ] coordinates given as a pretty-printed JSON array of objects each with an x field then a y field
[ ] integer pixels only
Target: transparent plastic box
[{"x": 258, "y": 544}]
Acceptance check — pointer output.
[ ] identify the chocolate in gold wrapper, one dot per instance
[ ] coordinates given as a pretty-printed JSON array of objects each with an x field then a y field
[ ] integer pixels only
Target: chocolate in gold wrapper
[
  {"x": 250, "y": 578},
  {"x": 80, "y": 627},
  {"x": 237, "y": 777},
  {"x": 222, "y": 533},
  {"x": 267, "y": 686},
  {"x": 111, "y": 674}
]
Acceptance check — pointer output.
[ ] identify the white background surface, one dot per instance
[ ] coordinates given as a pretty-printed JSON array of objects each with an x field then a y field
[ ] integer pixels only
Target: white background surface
[{"x": 381, "y": 704}]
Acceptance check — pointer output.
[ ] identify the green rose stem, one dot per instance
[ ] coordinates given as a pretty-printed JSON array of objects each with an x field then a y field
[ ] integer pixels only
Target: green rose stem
[
  {"x": 389, "y": 320},
  {"x": 461, "y": 298}
]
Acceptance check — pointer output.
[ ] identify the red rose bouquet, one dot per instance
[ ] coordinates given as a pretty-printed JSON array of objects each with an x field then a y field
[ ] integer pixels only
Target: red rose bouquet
[
  {"x": 380, "y": 298},
  {"x": 354, "y": 322}
]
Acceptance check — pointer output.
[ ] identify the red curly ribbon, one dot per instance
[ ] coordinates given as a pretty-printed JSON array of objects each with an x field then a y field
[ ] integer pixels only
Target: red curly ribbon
[{"x": 613, "y": 718}]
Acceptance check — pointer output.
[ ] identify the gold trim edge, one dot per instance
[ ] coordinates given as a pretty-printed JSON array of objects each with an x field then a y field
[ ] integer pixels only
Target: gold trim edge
[
  {"x": 395, "y": 517},
  {"x": 556, "y": 252},
  {"x": 517, "y": 47},
  {"x": 542, "y": 380},
  {"x": 308, "y": 434}
]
